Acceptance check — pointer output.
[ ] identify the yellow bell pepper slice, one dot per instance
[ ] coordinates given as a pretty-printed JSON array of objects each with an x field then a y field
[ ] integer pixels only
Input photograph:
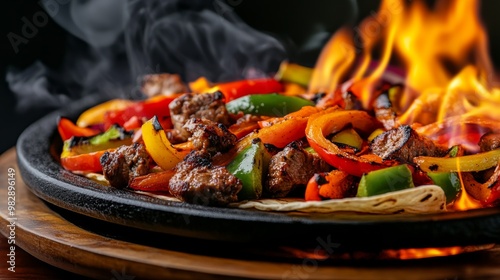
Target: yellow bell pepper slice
[
  {"x": 95, "y": 115},
  {"x": 469, "y": 163},
  {"x": 159, "y": 147}
]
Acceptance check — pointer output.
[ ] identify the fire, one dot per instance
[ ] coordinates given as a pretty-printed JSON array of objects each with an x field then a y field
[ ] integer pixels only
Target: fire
[
  {"x": 334, "y": 62},
  {"x": 384, "y": 254},
  {"x": 443, "y": 50},
  {"x": 465, "y": 201},
  {"x": 421, "y": 253}
]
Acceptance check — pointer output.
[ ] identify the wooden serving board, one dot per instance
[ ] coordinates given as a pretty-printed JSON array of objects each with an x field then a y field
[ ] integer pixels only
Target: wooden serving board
[{"x": 46, "y": 234}]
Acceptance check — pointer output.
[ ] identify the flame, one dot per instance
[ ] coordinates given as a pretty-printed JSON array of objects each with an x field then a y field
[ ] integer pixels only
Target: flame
[
  {"x": 421, "y": 253},
  {"x": 384, "y": 254},
  {"x": 443, "y": 50},
  {"x": 334, "y": 62},
  {"x": 464, "y": 200}
]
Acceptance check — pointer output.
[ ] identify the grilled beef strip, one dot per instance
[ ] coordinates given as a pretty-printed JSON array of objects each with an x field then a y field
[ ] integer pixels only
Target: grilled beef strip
[
  {"x": 403, "y": 144},
  {"x": 489, "y": 141},
  {"x": 351, "y": 102},
  {"x": 384, "y": 111},
  {"x": 162, "y": 84},
  {"x": 290, "y": 168},
  {"x": 125, "y": 163},
  {"x": 209, "y": 136},
  {"x": 210, "y": 106},
  {"x": 198, "y": 181}
]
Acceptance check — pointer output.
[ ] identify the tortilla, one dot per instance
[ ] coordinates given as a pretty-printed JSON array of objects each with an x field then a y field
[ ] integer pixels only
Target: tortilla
[{"x": 418, "y": 200}]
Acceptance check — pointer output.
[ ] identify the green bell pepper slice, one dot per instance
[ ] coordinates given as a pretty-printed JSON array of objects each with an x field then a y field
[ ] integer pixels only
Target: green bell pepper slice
[
  {"x": 249, "y": 166},
  {"x": 449, "y": 182},
  {"x": 385, "y": 180},
  {"x": 274, "y": 105}
]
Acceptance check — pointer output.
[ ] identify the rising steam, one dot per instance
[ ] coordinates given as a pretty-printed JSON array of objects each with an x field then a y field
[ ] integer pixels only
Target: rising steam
[{"x": 113, "y": 42}]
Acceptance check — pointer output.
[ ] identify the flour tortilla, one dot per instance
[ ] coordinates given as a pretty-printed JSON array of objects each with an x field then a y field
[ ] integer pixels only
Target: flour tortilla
[{"x": 418, "y": 200}]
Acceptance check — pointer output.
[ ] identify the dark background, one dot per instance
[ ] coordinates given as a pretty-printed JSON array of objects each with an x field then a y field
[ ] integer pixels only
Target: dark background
[{"x": 291, "y": 21}]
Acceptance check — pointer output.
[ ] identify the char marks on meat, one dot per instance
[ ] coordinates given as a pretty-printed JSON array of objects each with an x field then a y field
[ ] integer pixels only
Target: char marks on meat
[
  {"x": 403, "y": 144},
  {"x": 290, "y": 168},
  {"x": 198, "y": 181},
  {"x": 209, "y": 136},
  {"x": 209, "y": 106},
  {"x": 125, "y": 163}
]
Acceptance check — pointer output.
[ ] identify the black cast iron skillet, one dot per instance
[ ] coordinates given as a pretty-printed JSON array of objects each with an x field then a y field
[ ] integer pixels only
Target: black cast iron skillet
[{"x": 38, "y": 150}]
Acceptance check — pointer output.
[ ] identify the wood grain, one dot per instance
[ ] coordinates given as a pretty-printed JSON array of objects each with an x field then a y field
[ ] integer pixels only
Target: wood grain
[{"x": 49, "y": 237}]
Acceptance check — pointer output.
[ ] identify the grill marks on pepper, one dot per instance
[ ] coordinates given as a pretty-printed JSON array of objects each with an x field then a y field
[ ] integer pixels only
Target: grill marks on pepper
[{"x": 434, "y": 167}]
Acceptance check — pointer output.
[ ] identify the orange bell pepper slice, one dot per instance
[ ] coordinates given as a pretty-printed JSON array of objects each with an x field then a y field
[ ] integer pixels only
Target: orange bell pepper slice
[
  {"x": 332, "y": 185},
  {"x": 277, "y": 131}
]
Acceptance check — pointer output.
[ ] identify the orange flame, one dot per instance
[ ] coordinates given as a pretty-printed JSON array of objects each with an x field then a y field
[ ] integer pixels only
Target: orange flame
[
  {"x": 421, "y": 253},
  {"x": 444, "y": 52},
  {"x": 386, "y": 254},
  {"x": 464, "y": 200},
  {"x": 334, "y": 62}
]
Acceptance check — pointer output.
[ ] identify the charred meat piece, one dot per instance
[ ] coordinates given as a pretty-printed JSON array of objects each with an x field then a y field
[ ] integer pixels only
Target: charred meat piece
[
  {"x": 125, "y": 163},
  {"x": 489, "y": 141},
  {"x": 384, "y": 111},
  {"x": 208, "y": 106},
  {"x": 351, "y": 102},
  {"x": 162, "y": 84},
  {"x": 291, "y": 168},
  {"x": 197, "y": 181},
  {"x": 209, "y": 136},
  {"x": 403, "y": 144}
]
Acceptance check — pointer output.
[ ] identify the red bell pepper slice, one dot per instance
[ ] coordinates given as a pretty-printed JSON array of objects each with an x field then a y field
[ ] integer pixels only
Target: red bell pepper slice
[
  {"x": 237, "y": 89},
  {"x": 312, "y": 188},
  {"x": 156, "y": 106},
  {"x": 494, "y": 197},
  {"x": 83, "y": 162},
  {"x": 68, "y": 129},
  {"x": 320, "y": 125},
  {"x": 152, "y": 182}
]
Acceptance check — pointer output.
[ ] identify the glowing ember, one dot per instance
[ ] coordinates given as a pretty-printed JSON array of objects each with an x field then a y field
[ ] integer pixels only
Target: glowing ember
[
  {"x": 389, "y": 254},
  {"x": 419, "y": 253}
]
